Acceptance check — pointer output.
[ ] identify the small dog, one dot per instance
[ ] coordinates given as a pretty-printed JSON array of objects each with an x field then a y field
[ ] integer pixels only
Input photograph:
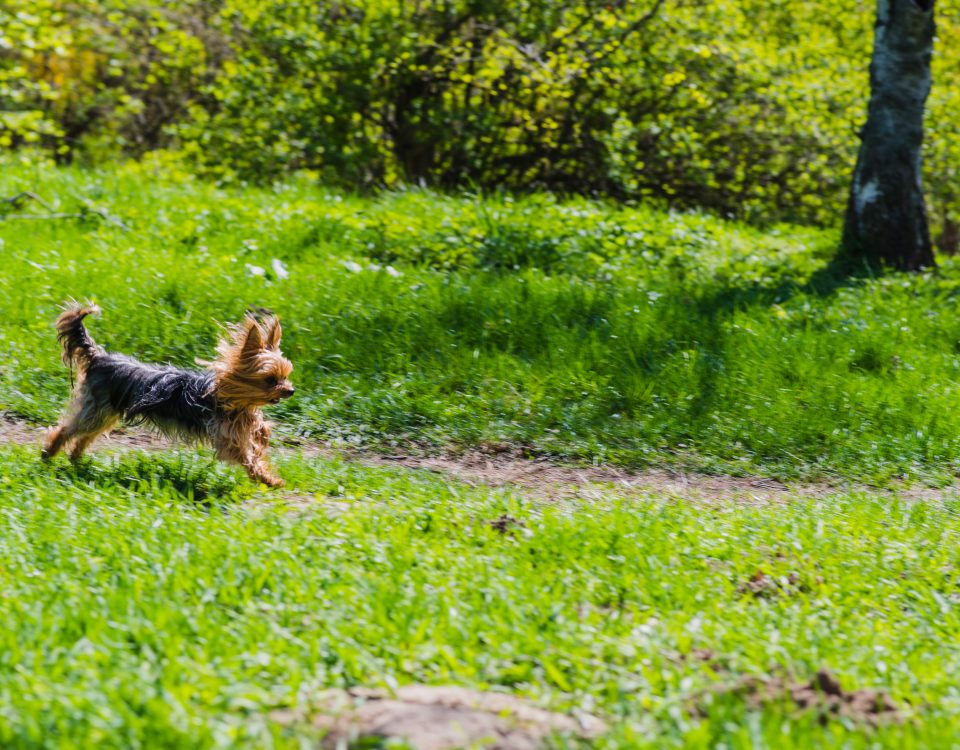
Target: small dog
[{"x": 220, "y": 406}]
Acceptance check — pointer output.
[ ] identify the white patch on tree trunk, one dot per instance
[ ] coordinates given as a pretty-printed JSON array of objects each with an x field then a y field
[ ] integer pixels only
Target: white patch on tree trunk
[{"x": 867, "y": 194}]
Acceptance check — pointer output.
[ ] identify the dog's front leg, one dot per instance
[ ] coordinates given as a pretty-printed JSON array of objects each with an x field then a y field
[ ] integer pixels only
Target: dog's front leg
[
  {"x": 249, "y": 456},
  {"x": 256, "y": 465},
  {"x": 259, "y": 471}
]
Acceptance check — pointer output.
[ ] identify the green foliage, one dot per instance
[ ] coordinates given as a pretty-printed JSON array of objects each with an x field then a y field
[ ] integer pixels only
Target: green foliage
[
  {"x": 573, "y": 329},
  {"x": 92, "y": 78},
  {"x": 744, "y": 108}
]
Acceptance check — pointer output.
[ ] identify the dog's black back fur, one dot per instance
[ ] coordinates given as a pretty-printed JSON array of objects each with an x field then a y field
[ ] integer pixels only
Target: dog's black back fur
[{"x": 177, "y": 402}]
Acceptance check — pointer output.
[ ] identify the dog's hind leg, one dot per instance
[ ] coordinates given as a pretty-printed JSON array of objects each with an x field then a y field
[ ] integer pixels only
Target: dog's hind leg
[
  {"x": 82, "y": 441},
  {"x": 85, "y": 421},
  {"x": 54, "y": 441}
]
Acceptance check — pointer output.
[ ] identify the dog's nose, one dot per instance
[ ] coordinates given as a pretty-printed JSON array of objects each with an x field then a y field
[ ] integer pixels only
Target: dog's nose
[{"x": 288, "y": 391}]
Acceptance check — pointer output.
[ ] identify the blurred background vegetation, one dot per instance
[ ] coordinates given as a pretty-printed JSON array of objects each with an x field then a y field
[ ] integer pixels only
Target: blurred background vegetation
[{"x": 747, "y": 108}]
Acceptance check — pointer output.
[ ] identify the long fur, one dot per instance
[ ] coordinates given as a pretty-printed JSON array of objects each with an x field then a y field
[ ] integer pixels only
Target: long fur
[
  {"x": 78, "y": 347},
  {"x": 220, "y": 406}
]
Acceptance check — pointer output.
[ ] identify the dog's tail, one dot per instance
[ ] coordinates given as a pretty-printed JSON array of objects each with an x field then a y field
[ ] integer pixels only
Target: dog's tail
[{"x": 78, "y": 347}]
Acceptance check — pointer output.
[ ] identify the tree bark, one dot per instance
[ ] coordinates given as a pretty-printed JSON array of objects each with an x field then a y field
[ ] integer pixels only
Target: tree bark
[{"x": 886, "y": 219}]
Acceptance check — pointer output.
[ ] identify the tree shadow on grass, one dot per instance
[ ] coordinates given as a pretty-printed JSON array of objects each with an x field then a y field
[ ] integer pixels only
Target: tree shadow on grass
[
  {"x": 708, "y": 309},
  {"x": 841, "y": 272}
]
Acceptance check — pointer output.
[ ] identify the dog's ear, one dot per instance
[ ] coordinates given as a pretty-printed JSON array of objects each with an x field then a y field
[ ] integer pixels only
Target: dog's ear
[
  {"x": 252, "y": 337},
  {"x": 273, "y": 334}
]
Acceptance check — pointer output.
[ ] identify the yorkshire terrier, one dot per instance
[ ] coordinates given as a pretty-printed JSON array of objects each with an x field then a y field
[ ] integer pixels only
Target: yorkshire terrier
[{"x": 219, "y": 406}]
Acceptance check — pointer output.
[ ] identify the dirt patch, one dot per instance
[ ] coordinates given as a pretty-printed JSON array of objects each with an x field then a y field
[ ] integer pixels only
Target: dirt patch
[
  {"x": 704, "y": 656},
  {"x": 539, "y": 478},
  {"x": 505, "y": 524},
  {"x": 544, "y": 479},
  {"x": 556, "y": 481},
  {"x": 23, "y": 433},
  {"x": 764, "y": 586},
  {"x": 437, "y": 718},
  {"x": 296, "y": 504},
  {"x": 821, "y": 695}
]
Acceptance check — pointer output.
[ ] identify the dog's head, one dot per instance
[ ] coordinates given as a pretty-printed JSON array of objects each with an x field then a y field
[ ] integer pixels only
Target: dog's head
[{"x": 250, "y": 370}]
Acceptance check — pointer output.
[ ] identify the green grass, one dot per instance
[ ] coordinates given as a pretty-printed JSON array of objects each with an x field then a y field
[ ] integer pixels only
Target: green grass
[
  {"x": 139, "y": 613},
  {"x": 162, "y": 600},
  {"x": 576, "y": 330}
]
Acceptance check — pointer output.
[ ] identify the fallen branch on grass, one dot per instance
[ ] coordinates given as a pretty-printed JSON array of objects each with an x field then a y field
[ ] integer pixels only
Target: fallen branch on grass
[
  {"x": 85, "y": 212},
  {"x": 20, "y": 198}
]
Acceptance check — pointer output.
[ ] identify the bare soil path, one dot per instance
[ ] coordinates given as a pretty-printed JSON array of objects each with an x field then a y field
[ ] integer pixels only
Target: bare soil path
[{"x": 539, "y": 477}]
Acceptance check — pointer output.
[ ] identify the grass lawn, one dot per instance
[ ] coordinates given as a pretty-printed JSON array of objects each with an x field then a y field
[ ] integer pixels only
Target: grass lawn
[
  {"x": 161, "y": 600},
  {"x": 574, "y": 330}
]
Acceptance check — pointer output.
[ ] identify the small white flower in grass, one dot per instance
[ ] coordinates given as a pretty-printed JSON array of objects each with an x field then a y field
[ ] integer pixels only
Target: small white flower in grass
[
  {"x": 391, "y": 271},
  {"x": 373, "y": 267},
  {"x": 256, "y": 270},
  {"x": 352, "y": 266},
  {"x": 279, "y": 270}
]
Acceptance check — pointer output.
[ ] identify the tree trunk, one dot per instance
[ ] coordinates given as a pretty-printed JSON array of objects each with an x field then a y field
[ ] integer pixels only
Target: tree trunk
[{"x": 886, "y": 219}]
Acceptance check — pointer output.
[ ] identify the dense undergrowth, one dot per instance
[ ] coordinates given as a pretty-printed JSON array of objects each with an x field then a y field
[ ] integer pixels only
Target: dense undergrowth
[
  {"x": 747, "y": 108},
  {"x": 576, "y": 329}
]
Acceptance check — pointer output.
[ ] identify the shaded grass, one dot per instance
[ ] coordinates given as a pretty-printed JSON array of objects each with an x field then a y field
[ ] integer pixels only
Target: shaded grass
[
  {"x": 578, "y": 330},
  {"x": 135, "y": 617}
]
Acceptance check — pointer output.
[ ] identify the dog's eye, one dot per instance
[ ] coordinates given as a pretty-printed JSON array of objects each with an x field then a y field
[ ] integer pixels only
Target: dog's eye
[{"x": 271, "y": 381}]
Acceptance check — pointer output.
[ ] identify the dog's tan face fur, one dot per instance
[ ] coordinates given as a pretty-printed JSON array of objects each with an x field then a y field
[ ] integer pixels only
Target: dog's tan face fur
[{"x": 250, "y": 370}]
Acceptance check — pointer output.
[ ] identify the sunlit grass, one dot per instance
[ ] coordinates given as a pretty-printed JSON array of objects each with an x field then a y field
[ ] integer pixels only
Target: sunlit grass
[
  {"x": 576, "y": 330},
  {"x": 141, "y": 611},
  {"x": 164, "y": 601}
]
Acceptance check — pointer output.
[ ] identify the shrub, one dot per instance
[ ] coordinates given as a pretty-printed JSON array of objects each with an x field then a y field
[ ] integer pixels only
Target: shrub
[{"x": 745, "y": 108}]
